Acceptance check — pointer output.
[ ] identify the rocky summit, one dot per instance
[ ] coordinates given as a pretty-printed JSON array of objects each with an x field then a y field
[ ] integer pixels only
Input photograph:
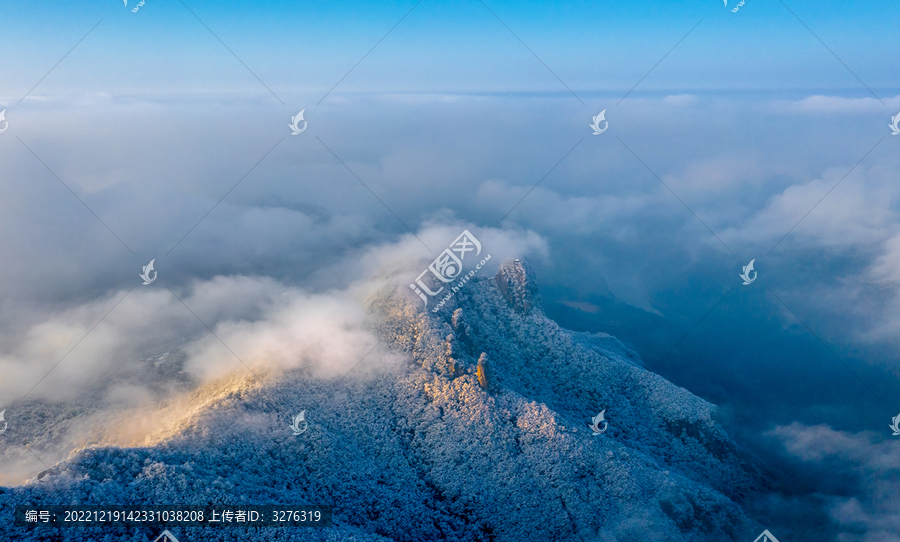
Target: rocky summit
[{"x": 480, "y": 433}]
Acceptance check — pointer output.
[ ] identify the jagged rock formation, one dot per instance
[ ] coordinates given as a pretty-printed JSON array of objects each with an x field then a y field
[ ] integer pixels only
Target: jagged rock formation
[
  {"x": 481, "y": 372},
  {"x": 423, "y": 452},
  {"x": 517, "y": 285}
]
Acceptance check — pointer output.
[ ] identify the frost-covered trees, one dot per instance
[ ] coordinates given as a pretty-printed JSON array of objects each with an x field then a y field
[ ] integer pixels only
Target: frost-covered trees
[{"x": 419, "y": 452}]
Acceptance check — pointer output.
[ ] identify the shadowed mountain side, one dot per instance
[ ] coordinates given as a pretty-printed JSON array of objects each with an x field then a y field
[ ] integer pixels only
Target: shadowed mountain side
[
  {"x": 421, "y": 451},
  {"x": 645, "y": 332}
]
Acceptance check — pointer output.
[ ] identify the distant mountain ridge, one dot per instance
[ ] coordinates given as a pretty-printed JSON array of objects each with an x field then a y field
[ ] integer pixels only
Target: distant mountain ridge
[{"x": 423, "y": 452}]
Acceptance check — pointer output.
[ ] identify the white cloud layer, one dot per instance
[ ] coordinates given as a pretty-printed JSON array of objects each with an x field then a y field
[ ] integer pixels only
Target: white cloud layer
[
  {"x": 872, "y": 514},
  {"x": 149, "y": 343}
]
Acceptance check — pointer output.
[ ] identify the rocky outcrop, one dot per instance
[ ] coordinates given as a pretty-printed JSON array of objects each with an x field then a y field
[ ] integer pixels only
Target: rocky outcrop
[
  {"x": 518, "y": 286},
  {"x": 657, "y": 430},
  {"x": 482, "y": 372}
]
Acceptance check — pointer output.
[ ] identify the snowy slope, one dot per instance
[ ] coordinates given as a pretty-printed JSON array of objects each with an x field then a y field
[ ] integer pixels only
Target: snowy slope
[{"x": 420, "y": 451}]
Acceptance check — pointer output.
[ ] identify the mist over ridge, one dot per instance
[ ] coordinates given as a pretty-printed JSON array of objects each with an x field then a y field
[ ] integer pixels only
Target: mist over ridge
[{"x": 416, "y": 409}]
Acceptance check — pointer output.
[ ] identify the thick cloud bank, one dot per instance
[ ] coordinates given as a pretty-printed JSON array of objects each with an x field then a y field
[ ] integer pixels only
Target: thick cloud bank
[
  {"x": 616, "y": 252},
  {"x": 153, "y": 344},
  {"x": 863, "y": 471}
]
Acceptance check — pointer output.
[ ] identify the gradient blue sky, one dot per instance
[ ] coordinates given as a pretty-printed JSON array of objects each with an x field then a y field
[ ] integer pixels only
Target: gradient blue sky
[{"x": 300, "y": 49}]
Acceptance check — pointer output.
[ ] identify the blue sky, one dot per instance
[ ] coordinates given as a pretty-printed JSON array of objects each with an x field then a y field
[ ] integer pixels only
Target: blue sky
[
  {"x": 751, "y": 121},
  {"x": 305, "y": 47}
]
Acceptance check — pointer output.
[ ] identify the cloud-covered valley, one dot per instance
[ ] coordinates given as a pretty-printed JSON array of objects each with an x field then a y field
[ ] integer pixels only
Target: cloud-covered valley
[{"x": 281, "y": 268}]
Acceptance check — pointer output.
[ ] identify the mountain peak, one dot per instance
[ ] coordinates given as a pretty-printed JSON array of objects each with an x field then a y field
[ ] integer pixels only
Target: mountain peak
[
  {"x": 474, "y": 428},
  {"x": 518, "y": 286}
]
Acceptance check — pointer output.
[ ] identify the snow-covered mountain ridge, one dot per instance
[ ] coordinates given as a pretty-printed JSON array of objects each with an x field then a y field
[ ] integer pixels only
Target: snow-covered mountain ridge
[{"x": 421, "y": 451}]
